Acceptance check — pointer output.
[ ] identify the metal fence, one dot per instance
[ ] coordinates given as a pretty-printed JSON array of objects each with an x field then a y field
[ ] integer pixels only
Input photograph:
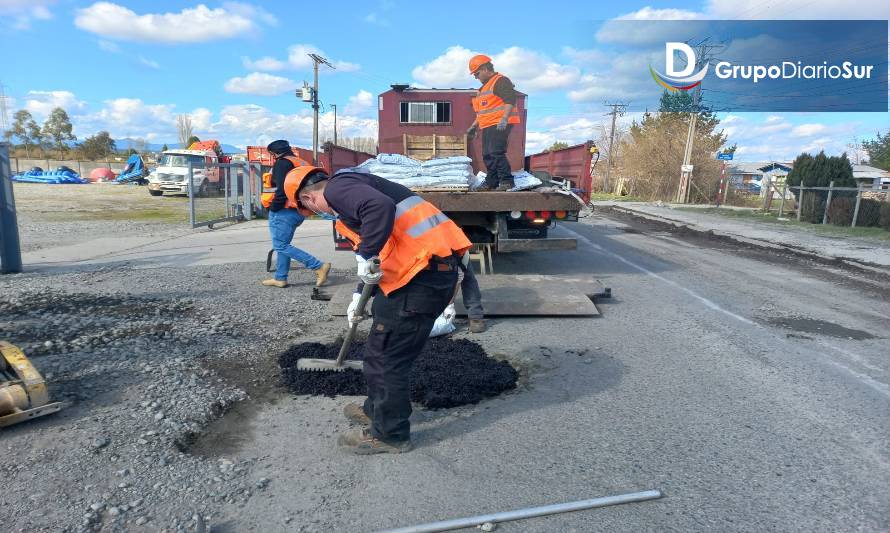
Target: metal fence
[
  {"x": 842, "y": 206},
  {"x": 222, "y": 192}
]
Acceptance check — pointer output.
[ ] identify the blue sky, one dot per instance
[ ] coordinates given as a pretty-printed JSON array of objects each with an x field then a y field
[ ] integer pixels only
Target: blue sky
[{"x": 131, "y": 67}]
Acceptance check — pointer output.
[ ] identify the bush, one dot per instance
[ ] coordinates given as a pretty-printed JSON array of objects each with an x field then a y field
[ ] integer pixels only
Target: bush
[
  {"x": 869, "y": 213},
  {"x": 840, "y": 212},
  {"x": 885, "y": 215}
]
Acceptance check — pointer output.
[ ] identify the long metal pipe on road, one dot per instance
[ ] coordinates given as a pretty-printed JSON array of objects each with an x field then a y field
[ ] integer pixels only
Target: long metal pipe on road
[{"x": 529, "y": 512}]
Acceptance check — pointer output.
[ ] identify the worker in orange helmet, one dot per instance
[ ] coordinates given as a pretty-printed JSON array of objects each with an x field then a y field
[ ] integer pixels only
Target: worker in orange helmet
[
  {"x": 420, "y": 251},
  {"x": 284, "y": 218},
  {"x": 496, "y": 114}
]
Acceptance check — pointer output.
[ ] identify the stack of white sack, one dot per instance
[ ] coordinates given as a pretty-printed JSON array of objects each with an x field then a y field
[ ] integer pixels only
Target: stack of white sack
[
  {"x": 522, "y": 181},
  {"x": 446, "y": 171}
]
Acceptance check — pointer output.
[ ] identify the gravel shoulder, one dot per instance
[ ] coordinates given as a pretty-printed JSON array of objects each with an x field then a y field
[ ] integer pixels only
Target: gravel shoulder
[{"x": 868, "y": 251}]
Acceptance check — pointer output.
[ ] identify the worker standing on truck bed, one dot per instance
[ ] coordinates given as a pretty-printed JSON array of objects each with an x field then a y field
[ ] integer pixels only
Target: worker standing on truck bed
[
  {"x": 496, "y": 113},
  {"x": 284, "y": 218},
  {"x": 420, "y": 251}
]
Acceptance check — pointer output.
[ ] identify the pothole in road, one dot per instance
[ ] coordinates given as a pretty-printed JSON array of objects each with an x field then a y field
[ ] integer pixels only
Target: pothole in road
[
  {"x": 819, "y": 327},
  {"x": 447, "y": 373}
]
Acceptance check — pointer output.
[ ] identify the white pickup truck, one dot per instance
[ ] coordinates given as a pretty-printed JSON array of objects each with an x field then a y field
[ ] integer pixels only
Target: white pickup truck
[{"x": 171, "y": 174}]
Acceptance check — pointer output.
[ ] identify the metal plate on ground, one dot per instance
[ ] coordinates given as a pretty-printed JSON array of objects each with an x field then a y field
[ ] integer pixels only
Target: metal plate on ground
[{"x": 516, "y": 295}]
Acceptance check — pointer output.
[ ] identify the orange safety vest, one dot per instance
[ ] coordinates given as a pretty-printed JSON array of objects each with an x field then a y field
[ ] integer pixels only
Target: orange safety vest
[
  {"x": 269, "y": 188},
  {"x": 490, "y": 108},
  {"x": 420, "y": 231}
]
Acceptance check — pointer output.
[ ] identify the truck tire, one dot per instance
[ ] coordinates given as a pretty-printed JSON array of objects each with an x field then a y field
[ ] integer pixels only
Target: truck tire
[
  {"x": 155, "y": 193},
  {"x": 203, "y": 189}
]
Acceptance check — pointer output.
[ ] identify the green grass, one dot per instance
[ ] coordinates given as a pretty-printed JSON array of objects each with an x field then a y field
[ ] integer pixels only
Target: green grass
[{"x": 772, "y": 218}]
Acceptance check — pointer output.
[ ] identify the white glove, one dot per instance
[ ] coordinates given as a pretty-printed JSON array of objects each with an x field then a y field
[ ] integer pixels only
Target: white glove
[
  {"x": 449, "y": 313},
  {"x": 364, "y": 270},
  {"x": 353, "y": 309}
]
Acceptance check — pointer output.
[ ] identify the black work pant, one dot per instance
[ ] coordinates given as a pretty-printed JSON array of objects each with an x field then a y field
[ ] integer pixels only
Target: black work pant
[
  {"x": 402, "y": 324},
  {"x": 494, "y": 155}
]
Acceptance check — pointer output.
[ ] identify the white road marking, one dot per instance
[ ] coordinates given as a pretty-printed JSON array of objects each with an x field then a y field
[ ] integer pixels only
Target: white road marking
[{"x": 872, "y": 383}]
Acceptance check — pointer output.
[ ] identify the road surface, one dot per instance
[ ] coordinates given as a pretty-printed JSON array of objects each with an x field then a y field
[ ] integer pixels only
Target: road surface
[{"x": 751, "y": 387}]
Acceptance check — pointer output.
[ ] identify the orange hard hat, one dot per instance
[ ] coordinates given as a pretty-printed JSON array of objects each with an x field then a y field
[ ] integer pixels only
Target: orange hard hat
[
  {"x": 477, "y": 61},
  {"x": 295, "y": 181}
]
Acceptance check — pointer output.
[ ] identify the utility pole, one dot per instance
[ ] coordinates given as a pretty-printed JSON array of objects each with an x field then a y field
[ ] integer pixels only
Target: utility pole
[
  {"x": 703, "y": 58},
  {"x": 334, "y": 106},
  {"x": 316, "y": 60},
  {"x": 617, "y": 111}
]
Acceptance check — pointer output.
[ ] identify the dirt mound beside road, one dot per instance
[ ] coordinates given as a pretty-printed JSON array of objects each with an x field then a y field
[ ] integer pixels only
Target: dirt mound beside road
[{"x": 448, "y": 373}]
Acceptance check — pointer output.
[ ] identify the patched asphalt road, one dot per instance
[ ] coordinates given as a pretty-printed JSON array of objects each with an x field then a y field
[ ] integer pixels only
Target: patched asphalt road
[{"x": 751, "y": 388}]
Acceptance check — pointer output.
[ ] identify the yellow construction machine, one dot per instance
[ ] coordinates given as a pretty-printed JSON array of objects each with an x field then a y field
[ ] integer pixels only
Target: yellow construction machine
[{"x": 23, "y": 394}]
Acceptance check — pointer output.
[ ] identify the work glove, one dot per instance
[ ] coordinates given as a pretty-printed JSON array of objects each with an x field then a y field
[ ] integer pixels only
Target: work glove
[
  {"x": 369, "y": 270},
  {"x": 353, "y": 314},
  {"x": 502, "y": 125},
  {"x": 471, "y": 132}
]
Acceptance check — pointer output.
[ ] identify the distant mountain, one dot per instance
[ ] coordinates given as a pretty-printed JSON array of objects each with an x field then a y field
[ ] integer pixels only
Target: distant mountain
[{"x": 125, "y": 143}]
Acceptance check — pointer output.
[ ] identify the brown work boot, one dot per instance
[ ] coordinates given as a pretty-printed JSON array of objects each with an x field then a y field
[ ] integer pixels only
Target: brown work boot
[
  {"x": 361, "y": 442},
  {"x": 505, "y": 185},
  {"x": 280, "y": 283},
  {"x": 483, "y": 188},
  {"x": 356, "y": 413},
  {"x": 321, "y": 275},
  {"x": 477, "y": 325}
]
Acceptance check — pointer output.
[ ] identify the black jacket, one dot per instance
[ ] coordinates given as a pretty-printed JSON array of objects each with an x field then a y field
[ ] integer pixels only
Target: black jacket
[
  {"x": 366, "y": 204},
  {"x": 279, "y": 172}
]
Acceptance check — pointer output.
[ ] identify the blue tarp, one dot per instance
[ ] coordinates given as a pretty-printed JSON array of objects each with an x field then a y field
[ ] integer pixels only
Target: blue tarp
[
  {"x": 52, "y": 176},
  {"x": 134, "y": 171}
]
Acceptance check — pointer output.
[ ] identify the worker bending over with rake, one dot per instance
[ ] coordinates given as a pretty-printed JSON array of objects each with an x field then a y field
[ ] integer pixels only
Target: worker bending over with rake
[
  {"x": 284, "y": 218},
  {"x": 420, "y": 251}
]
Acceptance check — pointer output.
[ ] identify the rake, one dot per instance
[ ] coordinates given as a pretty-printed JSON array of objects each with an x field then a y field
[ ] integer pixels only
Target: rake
[{"x": 340, "y": 364}]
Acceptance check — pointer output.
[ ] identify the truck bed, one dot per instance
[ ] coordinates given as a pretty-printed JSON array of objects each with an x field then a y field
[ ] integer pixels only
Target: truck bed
[{"x": 457, "y": 201}]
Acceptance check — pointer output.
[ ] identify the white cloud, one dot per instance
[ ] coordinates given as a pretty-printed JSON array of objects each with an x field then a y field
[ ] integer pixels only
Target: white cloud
[
  {"x": 376, "y": 19},
  {"x": 585, "y": 57},
  {"x": 260, "y": 83},
  {"x": 239, "y": 125},
  {"x": 191, "y": 25},
  {"x": 252, "y": 124},
  {"x": 18, "y": 14},
  {"x": 109, "y": 46},
  {"x": 126, "y": 117},
  {"x": 41, "y": 103},
  {"x": 808, "y": 130},
  {"x": 144, "y": 61},
  {"x": 798, "y": 9},
  {"x": 268, "y": 64},
  {"x": 360, "y": 103},
  {"x": 298, "y": 58},
  {"x": 530, "y": 71},
  {"x": 776, "y": 137}
]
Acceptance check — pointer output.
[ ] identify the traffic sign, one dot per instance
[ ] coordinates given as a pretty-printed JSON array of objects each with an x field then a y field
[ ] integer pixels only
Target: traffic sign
[{"x": 725, "y": 156}]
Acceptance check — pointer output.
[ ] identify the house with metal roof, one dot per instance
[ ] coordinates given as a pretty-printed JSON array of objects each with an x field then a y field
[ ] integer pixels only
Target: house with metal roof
[{"x": 871, "y": 177}]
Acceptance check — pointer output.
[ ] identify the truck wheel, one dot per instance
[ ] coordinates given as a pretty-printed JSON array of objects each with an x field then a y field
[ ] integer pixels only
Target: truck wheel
[
  {"x": 203, "y": 189},
  {"x": 155, "y": 193}
]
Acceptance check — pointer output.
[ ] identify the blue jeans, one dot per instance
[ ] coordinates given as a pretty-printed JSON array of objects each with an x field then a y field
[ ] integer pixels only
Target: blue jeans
[{"x": 282, "y": 225}]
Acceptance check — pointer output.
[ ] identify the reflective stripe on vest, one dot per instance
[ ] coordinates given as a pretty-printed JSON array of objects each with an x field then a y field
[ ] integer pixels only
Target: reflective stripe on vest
[
  {"x": 419, "y": 232},
  {"x": 269, "y": 191},
  {"x": 490, "y": 108}
]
